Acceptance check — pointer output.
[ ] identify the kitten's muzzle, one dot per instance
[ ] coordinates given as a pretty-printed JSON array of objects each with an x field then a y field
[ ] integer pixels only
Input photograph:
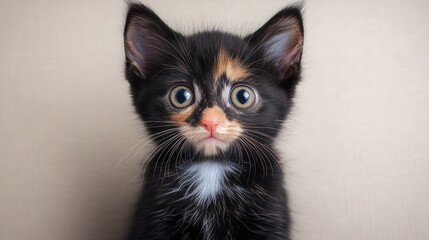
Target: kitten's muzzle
[{"x": 211, "y": 119}]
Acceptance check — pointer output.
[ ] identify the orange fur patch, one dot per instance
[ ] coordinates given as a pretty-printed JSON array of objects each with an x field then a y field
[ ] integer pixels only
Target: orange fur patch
[
  {"x": 231, "y": 67},
  {"x": 214, "y": 111},
  {"x": 181, "y": 116}
]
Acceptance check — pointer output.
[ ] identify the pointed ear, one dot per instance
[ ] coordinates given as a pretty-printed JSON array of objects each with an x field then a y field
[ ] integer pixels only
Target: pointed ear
[
  {"x": 281, "y": 40},
  {"x": 146, "y": 39}
]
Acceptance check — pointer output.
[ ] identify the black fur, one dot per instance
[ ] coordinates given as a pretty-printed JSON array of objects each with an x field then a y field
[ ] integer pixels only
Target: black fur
[{"x": 259, "y": 210}]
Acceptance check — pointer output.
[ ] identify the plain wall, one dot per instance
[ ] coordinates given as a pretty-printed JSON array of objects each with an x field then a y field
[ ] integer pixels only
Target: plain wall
[{"x": 356, "y": 147}]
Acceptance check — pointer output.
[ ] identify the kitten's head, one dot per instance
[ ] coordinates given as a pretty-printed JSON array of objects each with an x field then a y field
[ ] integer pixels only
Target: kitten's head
[{"x": 211, "y": 91}]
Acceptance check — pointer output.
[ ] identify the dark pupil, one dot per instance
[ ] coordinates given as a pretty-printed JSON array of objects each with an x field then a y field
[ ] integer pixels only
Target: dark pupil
[
  {"x": 182, "y": 96},
  {"x": 242, "y": 96}
]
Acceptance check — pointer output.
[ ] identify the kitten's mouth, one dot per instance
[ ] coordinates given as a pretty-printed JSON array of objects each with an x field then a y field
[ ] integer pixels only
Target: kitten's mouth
[
  {"x": 213, "y": 139},
  {"x": 211, "y": 142}
]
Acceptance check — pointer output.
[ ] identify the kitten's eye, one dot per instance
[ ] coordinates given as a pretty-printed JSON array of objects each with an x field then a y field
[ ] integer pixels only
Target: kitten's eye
[
  {"x": 181, "y": 97},
  {"x": 242, "y": 96}
]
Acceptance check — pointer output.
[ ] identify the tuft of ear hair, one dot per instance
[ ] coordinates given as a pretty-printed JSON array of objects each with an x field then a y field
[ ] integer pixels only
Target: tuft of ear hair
[
  {"x": 281, "y": 40},
  {"x": 145, "y": 38}
]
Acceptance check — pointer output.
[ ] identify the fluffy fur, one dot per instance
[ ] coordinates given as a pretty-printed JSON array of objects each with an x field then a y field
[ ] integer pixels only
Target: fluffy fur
[{"x": 213, "y": 103}]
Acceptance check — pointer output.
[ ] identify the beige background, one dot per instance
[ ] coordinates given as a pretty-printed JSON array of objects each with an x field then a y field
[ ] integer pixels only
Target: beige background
[{"x": 357, "y": 143}]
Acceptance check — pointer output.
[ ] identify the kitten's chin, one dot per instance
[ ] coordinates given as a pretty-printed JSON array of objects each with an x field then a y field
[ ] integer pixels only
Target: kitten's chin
[{"x": 211, "y": 146}]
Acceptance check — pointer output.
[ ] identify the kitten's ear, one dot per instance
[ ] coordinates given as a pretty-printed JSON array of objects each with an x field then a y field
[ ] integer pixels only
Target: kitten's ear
[
  {"x": 281, "y": 40},
  {"x": 146, "y": 38}
]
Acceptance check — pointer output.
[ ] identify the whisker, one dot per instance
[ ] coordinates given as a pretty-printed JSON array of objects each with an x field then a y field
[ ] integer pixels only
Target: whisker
[
  {"x": 255, "y": 149},
  {"x": 173, "y": 149},
  {"x": 151, "y": 139},
  {"x": 155, "y": 151},
  {"x": 274, "y": 156},
  {"x": 174, "y": 138}
]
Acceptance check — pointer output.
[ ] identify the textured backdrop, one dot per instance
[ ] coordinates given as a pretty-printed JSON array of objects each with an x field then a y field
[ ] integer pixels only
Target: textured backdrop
[{"x": 357, "y": 144}]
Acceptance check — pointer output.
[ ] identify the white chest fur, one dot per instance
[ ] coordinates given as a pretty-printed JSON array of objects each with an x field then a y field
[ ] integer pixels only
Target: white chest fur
[{"x": 206, "y": 180}]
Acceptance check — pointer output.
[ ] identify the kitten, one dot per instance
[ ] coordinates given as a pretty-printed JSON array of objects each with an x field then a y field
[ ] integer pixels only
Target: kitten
[{"x": 213, "y": 103}]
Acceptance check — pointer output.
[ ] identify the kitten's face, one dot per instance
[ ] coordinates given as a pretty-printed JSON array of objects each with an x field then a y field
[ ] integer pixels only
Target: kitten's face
[{"x": 212, "y": 91}]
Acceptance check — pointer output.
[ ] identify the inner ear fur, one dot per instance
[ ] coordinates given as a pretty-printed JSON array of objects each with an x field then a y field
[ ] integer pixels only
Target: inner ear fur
[
  {"x": 281, "y": 40},
  {"x": 146, "y": 38}
]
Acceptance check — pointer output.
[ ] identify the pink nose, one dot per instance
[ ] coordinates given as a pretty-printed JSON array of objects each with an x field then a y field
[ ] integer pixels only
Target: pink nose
[
  {"x": 210, "y": 124},
  {"x": 211, "y": 119}
]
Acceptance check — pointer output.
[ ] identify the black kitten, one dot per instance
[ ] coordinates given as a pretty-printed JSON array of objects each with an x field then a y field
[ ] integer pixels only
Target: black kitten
[{"x": 213, "y": 103}]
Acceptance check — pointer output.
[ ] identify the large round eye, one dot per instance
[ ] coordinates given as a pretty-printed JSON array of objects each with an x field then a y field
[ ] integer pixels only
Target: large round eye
[
  {"x": 242, "y": 96},
  {"x": 181, "y": 96}
]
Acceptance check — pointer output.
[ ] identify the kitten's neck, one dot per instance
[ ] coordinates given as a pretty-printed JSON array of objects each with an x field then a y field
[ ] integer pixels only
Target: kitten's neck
[{"x": 249, "y": 166}]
